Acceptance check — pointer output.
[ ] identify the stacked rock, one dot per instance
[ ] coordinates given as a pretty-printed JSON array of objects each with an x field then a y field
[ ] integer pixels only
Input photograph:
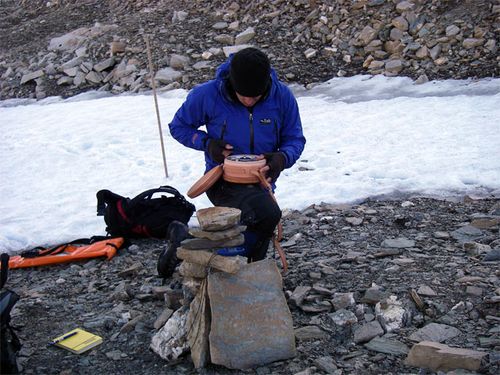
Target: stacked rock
[
  {"x": 219, "y": 232},
  {"x": 237, "y": 318}
]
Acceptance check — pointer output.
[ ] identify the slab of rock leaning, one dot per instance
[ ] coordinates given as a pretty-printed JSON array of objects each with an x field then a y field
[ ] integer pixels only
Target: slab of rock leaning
[{"x": 251, "y": 322}]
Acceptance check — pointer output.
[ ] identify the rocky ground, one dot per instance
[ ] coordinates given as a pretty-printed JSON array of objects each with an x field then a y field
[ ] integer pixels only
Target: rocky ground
[
  {"x": 64, "y": 47},
  {"x": 343, "y": 260}
]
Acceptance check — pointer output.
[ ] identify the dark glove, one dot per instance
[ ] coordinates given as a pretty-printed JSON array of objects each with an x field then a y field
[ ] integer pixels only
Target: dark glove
[
  {"x": 276, "y": 163},
  {"x": 215, "y": 149}
]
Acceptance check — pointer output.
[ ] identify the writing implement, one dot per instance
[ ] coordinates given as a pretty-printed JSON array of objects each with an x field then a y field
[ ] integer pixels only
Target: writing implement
[{"x": 63, "y": 338}]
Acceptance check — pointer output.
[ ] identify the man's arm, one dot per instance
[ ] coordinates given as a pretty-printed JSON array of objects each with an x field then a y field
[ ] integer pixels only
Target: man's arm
[
  {"x": 188, "y": 118},
  {"x": 292, "y": 140}
]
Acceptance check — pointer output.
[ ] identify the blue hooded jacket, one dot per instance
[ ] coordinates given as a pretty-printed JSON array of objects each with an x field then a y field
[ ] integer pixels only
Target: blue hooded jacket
[{"x": 273, "y": 124}]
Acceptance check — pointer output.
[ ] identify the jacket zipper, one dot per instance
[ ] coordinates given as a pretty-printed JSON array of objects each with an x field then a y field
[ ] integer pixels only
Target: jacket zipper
[
  {"x": 223, "y": 129},
  {"x": 251, "y": 132},
  {"x": 276, "y": 133}
]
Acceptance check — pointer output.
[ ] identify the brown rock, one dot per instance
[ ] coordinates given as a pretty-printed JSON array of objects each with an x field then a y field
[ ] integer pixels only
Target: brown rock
[
  {"x": 367, "y": 35},
  {"x": 440, "y": 357},
  {"x": 469, "y": 43},
  {"x": 218, "y": 218},
  {"x": 205, "y": 258}
]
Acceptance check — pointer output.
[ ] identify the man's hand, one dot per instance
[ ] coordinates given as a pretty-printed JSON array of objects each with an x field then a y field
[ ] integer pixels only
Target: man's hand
[
  {"x": 275, "y": 164},
  {"x": 218, "y": 150}
]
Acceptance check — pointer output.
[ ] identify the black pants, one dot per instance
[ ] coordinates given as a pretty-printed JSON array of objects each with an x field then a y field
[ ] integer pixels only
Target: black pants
[{"x": 259, "y": 212}]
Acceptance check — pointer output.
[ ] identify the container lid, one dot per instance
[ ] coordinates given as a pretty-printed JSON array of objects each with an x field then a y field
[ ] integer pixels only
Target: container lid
[{"x": 205, "y": 182}]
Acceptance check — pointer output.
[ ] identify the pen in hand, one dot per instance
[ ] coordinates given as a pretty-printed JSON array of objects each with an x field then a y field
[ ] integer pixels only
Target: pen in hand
[{"x": 62, "y": 338}]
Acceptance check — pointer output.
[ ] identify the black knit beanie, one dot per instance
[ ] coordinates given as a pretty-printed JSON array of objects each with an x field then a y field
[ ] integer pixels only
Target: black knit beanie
[{"x": 250, "y": 72}]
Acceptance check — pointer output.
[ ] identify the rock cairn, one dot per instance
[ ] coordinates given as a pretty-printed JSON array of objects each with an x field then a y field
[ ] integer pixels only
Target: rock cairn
[
  {"x": 229, "y": 307},
  {"x": 308, "y": 41}
]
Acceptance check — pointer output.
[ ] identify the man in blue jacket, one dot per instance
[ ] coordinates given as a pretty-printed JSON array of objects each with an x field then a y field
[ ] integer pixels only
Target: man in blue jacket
[{"x": 245, "y": 110}]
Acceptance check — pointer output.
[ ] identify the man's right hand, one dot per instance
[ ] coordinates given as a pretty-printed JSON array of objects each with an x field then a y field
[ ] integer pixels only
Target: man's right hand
[{"x": 218, "y": 150}]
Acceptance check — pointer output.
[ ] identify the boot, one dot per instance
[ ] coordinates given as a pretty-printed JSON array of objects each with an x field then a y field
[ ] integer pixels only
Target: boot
[
  {"x": 259, "y": 250},
  {"x": 176, "y": 233}
]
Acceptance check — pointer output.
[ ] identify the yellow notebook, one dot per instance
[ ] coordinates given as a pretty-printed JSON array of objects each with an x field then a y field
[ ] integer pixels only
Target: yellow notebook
[{"x": 77, "y": 341}]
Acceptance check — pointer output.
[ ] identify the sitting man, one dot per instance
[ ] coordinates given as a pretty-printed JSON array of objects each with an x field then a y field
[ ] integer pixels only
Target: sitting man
[{"x": 246, "y": 110}]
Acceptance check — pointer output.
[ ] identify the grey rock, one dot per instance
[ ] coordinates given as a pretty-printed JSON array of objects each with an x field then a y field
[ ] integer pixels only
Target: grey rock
[
  {"x": 466, "y": 233},
  {"x": 167, "y": 75},
  {"x": 452, "y": 30},
  {"x": 435, "y": 332},
  {"x": 65, "y": 81},
  {"x": 178, "y": 61},
  {"x": 400, "y": 242},
  {"x": 343, "y": 317},
  {"x": 105, "y": 64},
  {"x": 326, "y": 364},
  {"x": 241, "y": 337},
  {"x": 387, "y": 346},
  {"x": 245, "y": 36},
  {"x": 203, "y": 243},
  {"x": 394, "y": 66},
  {"x": 373, "y": 295},
  {"x": 224, "y": 39},
  {"x": 367, "y": 332},
  {"x": 299, "y": 294},
  {"x": 74, "y": 62},
  {"x": 310, "y": 333},
  {"x": 492, "y": 256},
  {"x": 94, "y": 77},
  {"x": 469, "y": 43},
  {"x": 31, "y": 76},
  {"x": 342, "y": 300},
  {"x": 220, "y": 25}
]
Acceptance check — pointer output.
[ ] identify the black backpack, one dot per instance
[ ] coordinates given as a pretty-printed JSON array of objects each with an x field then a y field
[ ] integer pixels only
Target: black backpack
[
  {"x": 143, "y": 216},
  {"x": 9, "y": 343}
]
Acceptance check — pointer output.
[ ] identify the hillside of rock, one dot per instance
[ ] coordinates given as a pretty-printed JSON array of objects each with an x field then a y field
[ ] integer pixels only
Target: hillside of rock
[{"x": 65, "y": 47}]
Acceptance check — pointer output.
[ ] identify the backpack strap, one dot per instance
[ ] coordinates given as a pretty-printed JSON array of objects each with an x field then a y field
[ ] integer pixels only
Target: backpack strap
[
  {"x": 41, "y": 251},
  {"x": 105, "y": 197},
  {"x": 162, "y": 189}
]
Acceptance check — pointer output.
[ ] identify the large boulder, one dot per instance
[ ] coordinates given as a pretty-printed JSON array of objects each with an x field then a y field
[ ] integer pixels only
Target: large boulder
[{"x": 251, "y": 322}]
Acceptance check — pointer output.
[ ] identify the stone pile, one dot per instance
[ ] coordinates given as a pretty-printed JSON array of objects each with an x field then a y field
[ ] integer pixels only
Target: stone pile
[
  {"x": 308, "y": 41},
  {"x": 229, "y": 308}
]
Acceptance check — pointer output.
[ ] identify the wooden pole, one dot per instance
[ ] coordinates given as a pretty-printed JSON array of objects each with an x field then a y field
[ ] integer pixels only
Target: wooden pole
[{"x": 153, "y": 85}]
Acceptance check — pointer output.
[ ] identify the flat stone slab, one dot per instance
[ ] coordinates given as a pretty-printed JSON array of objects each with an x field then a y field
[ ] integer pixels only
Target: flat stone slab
[
  {"x": 398, "y": 243},
  {"x": 219, "y": 235},
  {"x": 440, "y": 357},
  {"x": 206, "y": 244},
  {"x": 218, "y": 218},
  {"x": 251, "y": 322},
  {"x": 435, "y": 332},
  {"x": 387, "y": 346}
]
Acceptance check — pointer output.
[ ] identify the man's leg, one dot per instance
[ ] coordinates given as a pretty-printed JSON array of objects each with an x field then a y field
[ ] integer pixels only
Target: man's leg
[
  {"x": 259, "y": 212},
  {"x": 176, "y": 233}
]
